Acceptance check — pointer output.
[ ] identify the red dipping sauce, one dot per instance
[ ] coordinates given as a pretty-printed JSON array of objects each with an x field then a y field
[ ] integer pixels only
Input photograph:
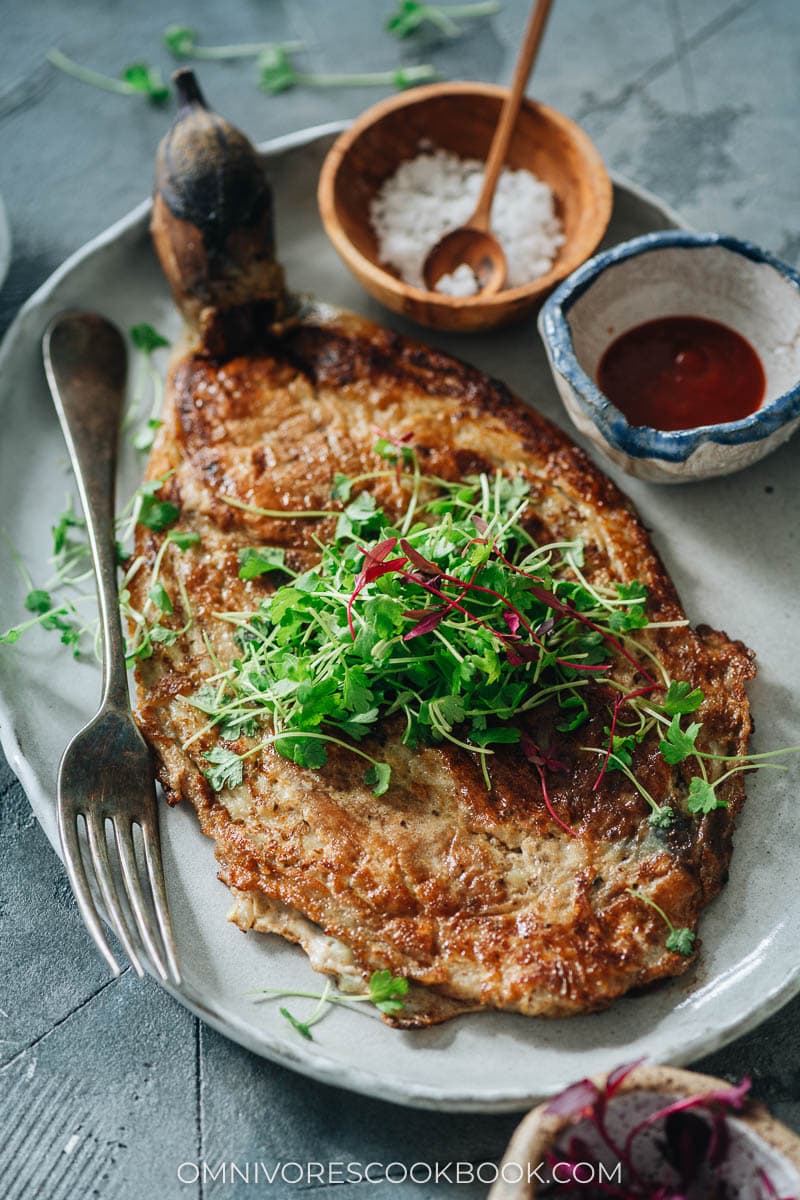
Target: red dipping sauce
[{"x": 682, "y": 372}]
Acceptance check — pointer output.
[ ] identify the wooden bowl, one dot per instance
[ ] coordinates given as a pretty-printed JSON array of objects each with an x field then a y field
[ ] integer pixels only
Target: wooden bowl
[
  {"x": 757, "y": 1140},
  {"x": 460, "y": 117}
]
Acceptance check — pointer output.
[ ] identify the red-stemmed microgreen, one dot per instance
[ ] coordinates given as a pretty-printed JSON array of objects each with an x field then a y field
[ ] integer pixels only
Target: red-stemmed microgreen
[{"x": 693, "y": 1149}]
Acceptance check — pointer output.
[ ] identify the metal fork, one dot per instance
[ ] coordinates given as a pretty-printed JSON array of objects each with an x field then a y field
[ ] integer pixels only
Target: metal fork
[{"x": 106, "y": 774}]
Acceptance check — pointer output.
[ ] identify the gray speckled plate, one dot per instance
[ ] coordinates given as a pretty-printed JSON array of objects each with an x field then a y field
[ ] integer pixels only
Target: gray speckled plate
[
  {"x": 5, "y": 243},
  {"x": 732, "y": 547}
]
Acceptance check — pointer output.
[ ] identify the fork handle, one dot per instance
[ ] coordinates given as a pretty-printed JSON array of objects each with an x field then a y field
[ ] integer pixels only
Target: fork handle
[{"x": 86, "y": 365}]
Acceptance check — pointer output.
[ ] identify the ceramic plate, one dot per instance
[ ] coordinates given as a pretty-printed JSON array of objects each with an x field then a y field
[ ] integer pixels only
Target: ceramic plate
[
  {"x": 731, "y": 547},
  {"x": 5, "y": 243}
]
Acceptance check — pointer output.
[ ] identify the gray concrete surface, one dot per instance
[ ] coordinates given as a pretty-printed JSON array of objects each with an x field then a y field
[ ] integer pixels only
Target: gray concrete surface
[{"x": 107, "y": 1086}]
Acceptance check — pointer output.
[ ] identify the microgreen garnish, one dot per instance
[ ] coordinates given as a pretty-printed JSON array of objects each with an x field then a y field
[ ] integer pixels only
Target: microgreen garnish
[
  {"x": 254, "y": 562},
  {"x": 679, "y": 940},
  {"x": 411, "y": 15},
  {"x": 702, "y": 796},
  {"x": 138, "y": 79},
  {"x": 183, "y": 538},
  {"x": 227, "y": 770},
  {"x": 386, "y": 992},
  {"x": 456, "y": 624},
  {"x": 161, "y": 598},
  {"x": 181, "y": 41},
  {"x": 146, "y": 340},
  {"x": 277, "y": 74},
  {"x": 681, "y": 698},
  {"x": 678, "y": 743},
  {"x": 157, "y": 514}
]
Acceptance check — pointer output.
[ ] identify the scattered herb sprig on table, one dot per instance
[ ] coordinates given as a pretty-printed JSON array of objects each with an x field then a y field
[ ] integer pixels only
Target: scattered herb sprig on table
[
  {"x": 181, "y": 41},
  {"x": 277, "y": 74},
  {"x": 386, "y": 992},
  {"x": 411, "y": 15},
  {"x": 138, "y": 79}
]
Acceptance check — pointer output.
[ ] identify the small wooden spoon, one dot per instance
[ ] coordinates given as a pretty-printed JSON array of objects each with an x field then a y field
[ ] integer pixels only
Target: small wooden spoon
[{"x": 472, "y": 243}]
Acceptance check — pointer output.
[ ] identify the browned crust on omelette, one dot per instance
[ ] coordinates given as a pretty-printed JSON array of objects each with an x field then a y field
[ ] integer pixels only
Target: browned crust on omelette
[{"x": 476, "y": 895}]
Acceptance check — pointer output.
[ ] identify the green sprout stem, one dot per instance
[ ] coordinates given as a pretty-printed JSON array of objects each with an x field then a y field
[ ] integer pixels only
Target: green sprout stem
[
  {"x": 86, "y": 75},
  {"x": 278, "y": 513},
  {"x": 190, "y": 49},
  {"x": 138, "y": 79},
  {"x": 679, "y": 940}
]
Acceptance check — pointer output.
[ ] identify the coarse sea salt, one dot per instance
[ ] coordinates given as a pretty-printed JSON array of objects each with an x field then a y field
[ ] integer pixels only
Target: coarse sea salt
[
  {"x": 437, "y": 191},
  {"x": 461, "y": 282}
]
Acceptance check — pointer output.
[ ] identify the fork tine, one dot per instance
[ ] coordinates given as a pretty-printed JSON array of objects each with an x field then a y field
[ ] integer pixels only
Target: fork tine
[
  {"x": 96, "y": 829},
  {"x": 130, "y": 871},
  {"x": 73, "y": 861},
  {"x": 155, "y": 870}
]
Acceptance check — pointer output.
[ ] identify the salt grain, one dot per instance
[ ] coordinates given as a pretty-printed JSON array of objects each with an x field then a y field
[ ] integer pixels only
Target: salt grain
[
  {"x": 437, "y": 191},
  {"x": 461, "y": 282}
]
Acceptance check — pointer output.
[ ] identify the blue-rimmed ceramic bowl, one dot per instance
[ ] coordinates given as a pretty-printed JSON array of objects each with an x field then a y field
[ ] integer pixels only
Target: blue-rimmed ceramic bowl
[{"x": 677, "y": 273}]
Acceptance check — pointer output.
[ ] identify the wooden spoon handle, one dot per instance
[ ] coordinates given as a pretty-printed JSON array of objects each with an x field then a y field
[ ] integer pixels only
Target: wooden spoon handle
[{"x": 508, "y": 116}]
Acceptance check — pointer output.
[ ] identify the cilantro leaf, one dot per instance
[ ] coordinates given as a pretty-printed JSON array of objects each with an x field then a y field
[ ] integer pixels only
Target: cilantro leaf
[
  {"x": 662, "y": 817},
  {"x": 702, "y": 797},
  {"x": 632, "y": 618},
  {"x": 227, "y": 770},
  {"x": 502, "y": 734},
  {"x": 451, "y": 710},
  {"x": 679, "y": 743},
  {"x": 386, "y": 991},
  {"x": 633, "y": 591},
  {"x": 622, "y": 747},
  {"x": 359, "y": 514},
  {"x": 157, "y": 514},
  {"x": 160, "y": 597},
  {"x": 162, "y": 635},
  {"x": 356, "y": 693},
  {"x": 253, "y": 562},
  {"x": 305, "y": 751},
  {"x": 392, "y": 452},
  {"x": 378, "y": 777},
  {"x": 146, "y": 338},
  {"x": 681, "y": 941},
  {"x": 342, "y": 485},
  {"x": 580, "y": 710},
  {"x": 183, "y": 538},
  {"x": 681, "y": 698}
]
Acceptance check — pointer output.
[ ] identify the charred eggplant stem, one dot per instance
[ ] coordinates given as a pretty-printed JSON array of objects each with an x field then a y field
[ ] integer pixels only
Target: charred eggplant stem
[{"x": 212, "y": 224}]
